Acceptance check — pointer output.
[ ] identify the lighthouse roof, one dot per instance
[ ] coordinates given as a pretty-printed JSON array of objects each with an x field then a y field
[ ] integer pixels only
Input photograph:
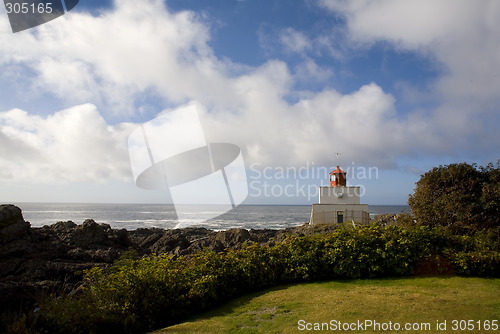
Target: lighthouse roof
[{"x": 338, "y": 171}]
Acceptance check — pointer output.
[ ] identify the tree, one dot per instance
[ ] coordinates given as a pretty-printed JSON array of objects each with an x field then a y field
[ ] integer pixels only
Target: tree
[
  {"x": 458, "y": 195},
  {"x": 490, "y": 196}
]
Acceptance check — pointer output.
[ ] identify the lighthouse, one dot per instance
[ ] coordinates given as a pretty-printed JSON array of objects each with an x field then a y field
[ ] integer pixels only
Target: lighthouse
[
  {"x": 339, "y": 203},
  {"x": 338, "y": 178}
]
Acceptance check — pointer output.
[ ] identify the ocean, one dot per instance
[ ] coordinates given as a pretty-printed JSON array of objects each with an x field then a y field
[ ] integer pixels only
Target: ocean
[{"x": 134, "y": 216}]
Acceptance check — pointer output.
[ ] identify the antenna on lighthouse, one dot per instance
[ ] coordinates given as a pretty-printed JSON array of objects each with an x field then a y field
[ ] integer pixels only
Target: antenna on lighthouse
[{"x": 338, "y": 157}]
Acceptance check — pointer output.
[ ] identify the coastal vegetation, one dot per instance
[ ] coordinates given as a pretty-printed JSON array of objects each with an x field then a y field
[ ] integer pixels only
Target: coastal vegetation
[
  {"x": 139, "y": 294},
  {"x": 460, "y": 196}
]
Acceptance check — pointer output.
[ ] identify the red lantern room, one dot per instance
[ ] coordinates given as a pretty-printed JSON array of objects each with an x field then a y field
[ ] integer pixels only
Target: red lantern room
[{"x": 338, "y": 178}]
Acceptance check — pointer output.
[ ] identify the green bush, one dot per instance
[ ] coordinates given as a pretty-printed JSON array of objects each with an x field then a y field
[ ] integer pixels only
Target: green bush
[
  {"x": 477, "y": 263},
  {"x": 460, "y": 196},
  {"x": 137, "y": 295}
]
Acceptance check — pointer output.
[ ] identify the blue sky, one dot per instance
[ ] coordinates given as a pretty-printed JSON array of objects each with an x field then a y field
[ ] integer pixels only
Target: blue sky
[{"x": 396, "y": 86}]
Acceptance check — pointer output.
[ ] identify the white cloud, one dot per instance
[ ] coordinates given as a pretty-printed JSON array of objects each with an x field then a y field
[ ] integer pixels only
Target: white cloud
[
  {"x": 4, "y": 22},
  {"x": 70, "y": 145},
  {"x": 362, "y": 125},
  {"x": 411, "y": 24},
  {"x": 309, "y": 71},
  {"x": 115, "y": 57},
  {"x": 139, "y": 47},
  {"x": 294, "y": 41},
  {"x": 463, "y": 37}
]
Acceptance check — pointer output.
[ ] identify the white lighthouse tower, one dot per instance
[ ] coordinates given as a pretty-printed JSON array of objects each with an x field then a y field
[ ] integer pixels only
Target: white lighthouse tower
[{"x": 339, "y": 203}]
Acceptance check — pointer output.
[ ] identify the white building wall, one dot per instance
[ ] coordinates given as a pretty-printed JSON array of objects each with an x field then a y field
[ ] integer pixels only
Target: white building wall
[
  {"x": 339, "y": 195},
  {"x": 329, "y": 213}
]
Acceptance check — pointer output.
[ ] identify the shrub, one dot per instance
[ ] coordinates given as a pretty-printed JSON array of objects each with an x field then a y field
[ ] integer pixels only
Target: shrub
[
  {"x": 477, "y": 263},
  {"x": 137, "y": 295},
  {"x": 460, "y": 196}
]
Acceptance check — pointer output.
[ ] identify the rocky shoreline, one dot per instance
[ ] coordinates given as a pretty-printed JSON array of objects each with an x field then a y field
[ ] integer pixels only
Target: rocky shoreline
[{"x": 36, "y": 262}]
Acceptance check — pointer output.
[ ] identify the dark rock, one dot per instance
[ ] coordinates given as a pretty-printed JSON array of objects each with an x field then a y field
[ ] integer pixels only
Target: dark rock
[
  {"x": 9, "y": 215},
  {"x": 12, "y": 224},
  {"x": 262, "y": 236},
  {"x": 144, "y": 238},
  {"x": 166, "y": 244},
  {"x": 119, "y": 237},
  {"x": 150, "y": 240},
  {"x": 233, "y": 238},
  {"x": 10, "y": 266},
  {"x": 91, "y": 233},
  {"x": 205, "y": 243},
  {"x": 15, "y": 248},
  {"x": 50, "y": 259},
  {"x": 67, "y": 226}
]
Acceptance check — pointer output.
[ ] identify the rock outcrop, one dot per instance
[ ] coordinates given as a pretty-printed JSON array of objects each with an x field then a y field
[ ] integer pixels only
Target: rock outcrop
[{"x": 50, "y": 259}]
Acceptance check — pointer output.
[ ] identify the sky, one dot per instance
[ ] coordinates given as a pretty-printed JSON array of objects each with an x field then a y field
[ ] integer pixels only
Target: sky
[{"x": 386, "y": 89}]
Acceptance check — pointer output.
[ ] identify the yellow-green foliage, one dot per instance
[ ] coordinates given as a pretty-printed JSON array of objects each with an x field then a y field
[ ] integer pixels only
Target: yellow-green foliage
[{"x": 137, "y": 295}]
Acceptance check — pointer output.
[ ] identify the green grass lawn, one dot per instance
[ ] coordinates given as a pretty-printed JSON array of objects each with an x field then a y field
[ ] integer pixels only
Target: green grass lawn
[{"x": 416, "y": 301}]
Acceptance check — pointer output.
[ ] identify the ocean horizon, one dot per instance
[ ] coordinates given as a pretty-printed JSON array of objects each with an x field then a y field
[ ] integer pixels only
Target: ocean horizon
[{"x": 134, "y": 216}]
